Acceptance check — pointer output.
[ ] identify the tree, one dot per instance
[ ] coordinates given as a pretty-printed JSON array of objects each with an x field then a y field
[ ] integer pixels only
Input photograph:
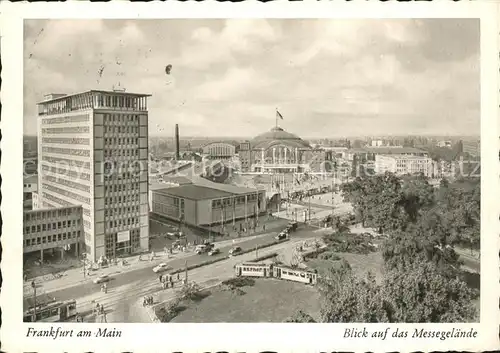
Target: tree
[
  {"x": 300, "y": 317},
  {"x": 346, "y": 298},
  {"x": 422, "y": 293}
]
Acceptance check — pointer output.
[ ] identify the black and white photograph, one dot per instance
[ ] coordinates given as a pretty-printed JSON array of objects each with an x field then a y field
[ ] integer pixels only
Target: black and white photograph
[{"x": 251, "y": 170}]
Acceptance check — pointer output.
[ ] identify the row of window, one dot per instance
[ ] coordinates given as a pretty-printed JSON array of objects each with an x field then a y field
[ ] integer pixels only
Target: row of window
[
  {"x": 115, "y": 119},
  {"x": 67, "y": 162},
  {"x": 66, "y": 119},
  {"x": 121, "y": 153},
  {"x": 131, "y": 221},
  {"x": 66, "y": 193},
  {"x": 49, "y": 214},
  {"x": 122, "y": 129},
  {"x": 66, "y": 130},
  {"x": 122, "y": 102},
  {"x": 68, "y": 183},
  {"x": 66, "y": 151},
  {"x": 119, "y": 199},
  {"x": 121, "y": 187},
  {"x": 117, "y": 211},
  {"x": 113, "y": 141},
  {"x": 67, "y": 140},
  {"x": 52, "y": 238},
  {"x": 67, "y": 172},
  {"x": 121, "y": 175},
  {"x": 253, "y": 269},
  {"x": 57, "y": 200},
  {"x": 51, "y": 226}
]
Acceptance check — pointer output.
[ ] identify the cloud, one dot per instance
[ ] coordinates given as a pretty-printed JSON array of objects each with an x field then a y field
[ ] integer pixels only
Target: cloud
[{"x": 327, "y": 77}]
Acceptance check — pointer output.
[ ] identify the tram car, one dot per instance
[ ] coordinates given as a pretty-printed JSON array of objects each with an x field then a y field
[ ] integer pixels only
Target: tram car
[
  {"x": 295, "y": 274},
  {"x": 276, "y": 271},
  {"x": 59, "y": 311},
  {"x": 254, "y": 270}
]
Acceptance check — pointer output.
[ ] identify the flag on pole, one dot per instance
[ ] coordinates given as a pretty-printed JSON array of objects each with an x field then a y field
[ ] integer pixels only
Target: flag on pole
[{"x": 278, "y": 115}]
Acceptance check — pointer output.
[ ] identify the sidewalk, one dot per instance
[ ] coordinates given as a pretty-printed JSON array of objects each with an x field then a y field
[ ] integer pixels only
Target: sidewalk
[{"x": 74, "y": 277}]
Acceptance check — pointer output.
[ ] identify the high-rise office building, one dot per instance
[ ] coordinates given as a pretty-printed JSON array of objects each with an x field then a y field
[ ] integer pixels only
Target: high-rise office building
[{"x": 93, "y": 151}]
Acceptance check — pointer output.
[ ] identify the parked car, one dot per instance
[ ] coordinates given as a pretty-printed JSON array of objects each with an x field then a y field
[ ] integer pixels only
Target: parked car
[
  {"x": 235, "y": 251},
  {"x": 161, "y": 267},
  {"x": 102, "y": 279},
  {"x": 214, "y": 251}
]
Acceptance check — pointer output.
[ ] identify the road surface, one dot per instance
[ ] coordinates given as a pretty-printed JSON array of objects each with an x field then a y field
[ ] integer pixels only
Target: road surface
[{"x": 123, "y": 302}]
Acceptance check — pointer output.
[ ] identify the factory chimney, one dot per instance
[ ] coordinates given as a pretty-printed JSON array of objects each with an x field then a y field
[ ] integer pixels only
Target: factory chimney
[{"x": 177, "y": 151}]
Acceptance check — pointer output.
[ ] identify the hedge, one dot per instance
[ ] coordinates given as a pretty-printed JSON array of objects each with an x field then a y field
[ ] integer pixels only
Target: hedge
[
  {"x": 314, "y": 253},
  {"x": 265, "y": 257}
]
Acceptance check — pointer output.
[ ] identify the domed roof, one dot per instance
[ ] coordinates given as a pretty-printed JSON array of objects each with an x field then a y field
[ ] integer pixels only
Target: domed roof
[{"x": 278, "y": 136}]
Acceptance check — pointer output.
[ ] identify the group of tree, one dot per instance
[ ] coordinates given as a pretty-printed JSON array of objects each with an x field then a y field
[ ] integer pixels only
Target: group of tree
[
  {"x": 421, "y": 226},
  {"x": 415, "y": 217},
  {"x": 421, "y": 293}
]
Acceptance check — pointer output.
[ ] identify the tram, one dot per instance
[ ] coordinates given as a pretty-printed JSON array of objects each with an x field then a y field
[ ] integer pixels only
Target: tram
[
  {"x": 276, "y": 271},
  {"x": 58, "y": 311}
]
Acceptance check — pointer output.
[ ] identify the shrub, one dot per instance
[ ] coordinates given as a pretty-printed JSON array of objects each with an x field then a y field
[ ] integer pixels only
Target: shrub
[
  {"x": 328, "y": 255},
  {"x": 238, "y": 282},
  {"x": 189, "y": 291}
]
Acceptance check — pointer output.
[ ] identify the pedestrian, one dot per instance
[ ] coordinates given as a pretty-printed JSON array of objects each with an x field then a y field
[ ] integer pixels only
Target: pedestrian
[
  {"x": 178, "y": 275},
  {"x": 264, "y": 227}
]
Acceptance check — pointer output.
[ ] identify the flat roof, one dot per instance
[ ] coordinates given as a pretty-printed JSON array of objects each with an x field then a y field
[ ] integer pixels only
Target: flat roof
[
  {"x": 194, "y": 192},
  {"x": 121, "y": 93},
  {"x": 206, "y": 191}
]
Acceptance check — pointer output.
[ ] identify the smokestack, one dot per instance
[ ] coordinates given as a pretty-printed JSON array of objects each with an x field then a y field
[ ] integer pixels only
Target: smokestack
[{"x": 177, "y": 151}]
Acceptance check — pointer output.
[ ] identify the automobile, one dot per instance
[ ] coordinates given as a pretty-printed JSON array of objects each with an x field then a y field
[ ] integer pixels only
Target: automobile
[
  {"x": 161, "y": 267},
  {"x": 102, "y": 279},
  {"x": 292, "y": 226},
  {"x": 280, "y": 236},
  {"x": 235, "y": 251},
  {"x": 214, "y": 252},
  {"x": 201, "y": 249}
]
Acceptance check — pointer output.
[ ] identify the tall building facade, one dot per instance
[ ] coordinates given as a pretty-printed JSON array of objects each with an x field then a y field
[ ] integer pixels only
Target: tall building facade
[{"x": 93, "y": 152}]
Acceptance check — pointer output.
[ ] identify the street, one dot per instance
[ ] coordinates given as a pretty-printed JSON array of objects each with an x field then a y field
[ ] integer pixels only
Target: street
[
  {"x": 123, "y": 302},
  {"x": 130, "y": 281}
]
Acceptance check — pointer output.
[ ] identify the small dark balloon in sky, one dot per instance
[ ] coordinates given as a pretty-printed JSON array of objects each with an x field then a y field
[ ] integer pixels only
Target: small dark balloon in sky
[{"x": 168, "y": 68}]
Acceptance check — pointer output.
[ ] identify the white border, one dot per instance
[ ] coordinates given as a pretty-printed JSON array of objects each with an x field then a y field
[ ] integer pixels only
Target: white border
[{"x": 242, "y": 337}]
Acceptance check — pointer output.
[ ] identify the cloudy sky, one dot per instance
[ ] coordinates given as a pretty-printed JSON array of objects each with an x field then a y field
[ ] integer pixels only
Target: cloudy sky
[{"x": 326, "y": 77}]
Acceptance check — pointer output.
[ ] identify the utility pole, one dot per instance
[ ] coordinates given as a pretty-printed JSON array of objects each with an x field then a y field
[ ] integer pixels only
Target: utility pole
[{"x": 186, "y": 274}]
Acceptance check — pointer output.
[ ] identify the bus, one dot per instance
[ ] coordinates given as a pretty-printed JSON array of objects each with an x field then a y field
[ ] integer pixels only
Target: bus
[{"x": 58, "y": 311}]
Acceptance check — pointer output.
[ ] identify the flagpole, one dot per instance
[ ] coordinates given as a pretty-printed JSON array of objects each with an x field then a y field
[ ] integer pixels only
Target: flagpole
[{"x": 276, "y": 117}]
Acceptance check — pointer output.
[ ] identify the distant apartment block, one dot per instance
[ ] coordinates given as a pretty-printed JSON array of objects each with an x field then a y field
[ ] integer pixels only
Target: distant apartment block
[
  {"x": 93, "y": 152},
  {"x": 56, "y": 228},
  {"x": 403, "y": 165}
]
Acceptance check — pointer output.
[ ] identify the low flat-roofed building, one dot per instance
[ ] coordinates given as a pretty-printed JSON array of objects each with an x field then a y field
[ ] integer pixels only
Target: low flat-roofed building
[
  {"x": 208, "y": 204},
  {"x": 52, "y": 228}
]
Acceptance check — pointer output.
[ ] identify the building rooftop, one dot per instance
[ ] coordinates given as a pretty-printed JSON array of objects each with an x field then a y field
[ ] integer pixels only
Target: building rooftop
[
  {"x": 402, "y": 156},
  {"x": 59, "y": 96},
  {"x": 194, "y": 192},
  {"x": 206, "y": 190}
]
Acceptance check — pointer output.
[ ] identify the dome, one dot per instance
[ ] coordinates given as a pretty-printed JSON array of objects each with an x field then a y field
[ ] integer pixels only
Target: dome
[{"x": 278, "y": 136}]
